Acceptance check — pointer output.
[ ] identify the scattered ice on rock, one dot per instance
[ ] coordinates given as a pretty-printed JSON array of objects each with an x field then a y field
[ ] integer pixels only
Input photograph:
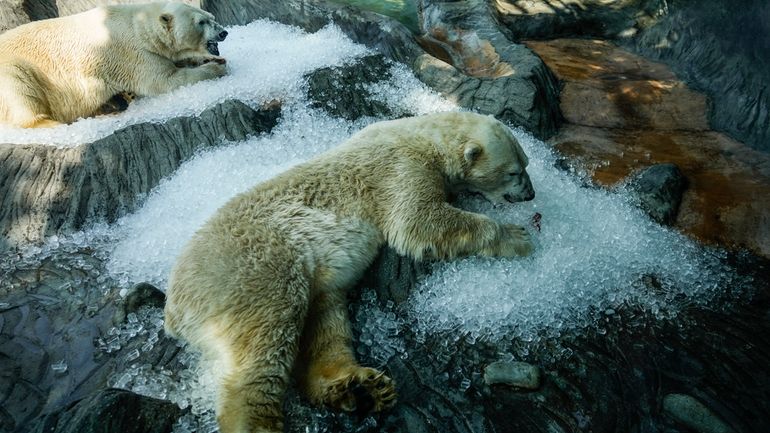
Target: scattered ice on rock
[{"x": 380, "y": 330}]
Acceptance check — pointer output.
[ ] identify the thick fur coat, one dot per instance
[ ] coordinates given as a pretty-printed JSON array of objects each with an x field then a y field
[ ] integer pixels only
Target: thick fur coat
[
  {"x": 262, "y": 285},
  {"x": 58, "y": 70}
]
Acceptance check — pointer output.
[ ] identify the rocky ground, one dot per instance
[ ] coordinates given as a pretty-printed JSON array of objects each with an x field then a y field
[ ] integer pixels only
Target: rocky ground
[{"x": 65, "y": 331}]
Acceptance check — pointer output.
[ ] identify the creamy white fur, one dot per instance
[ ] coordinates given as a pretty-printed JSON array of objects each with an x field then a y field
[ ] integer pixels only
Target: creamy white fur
[
  {"x": 268, "y": 274},
  {"x": 58, "y": 70}
]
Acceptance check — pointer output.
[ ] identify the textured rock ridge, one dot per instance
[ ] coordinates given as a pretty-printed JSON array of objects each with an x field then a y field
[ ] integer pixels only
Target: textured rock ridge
[{"x": 47, "y": 190}]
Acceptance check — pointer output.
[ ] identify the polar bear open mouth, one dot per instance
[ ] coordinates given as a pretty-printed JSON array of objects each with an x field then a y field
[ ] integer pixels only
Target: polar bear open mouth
[{"x": 212, "y": 47}]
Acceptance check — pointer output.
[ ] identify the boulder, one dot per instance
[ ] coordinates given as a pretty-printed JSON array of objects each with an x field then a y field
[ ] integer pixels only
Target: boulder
[
  {"x": 461, "y": 53},
  {"x": 342, "y": 91},
  {"x": 472, "y": 62},
  {"x": 109, "y": 411},
  {"x": 659, "y": 189}
]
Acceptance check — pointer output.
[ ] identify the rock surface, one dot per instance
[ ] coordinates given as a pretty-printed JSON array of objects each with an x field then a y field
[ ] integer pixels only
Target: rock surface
[
  {"x": 517, "y": 374},
  {"x": 689, "y": 411},
  {"x": 548, "y": 19},
  {"x": 461, "y": 53},
  {"x": 14, "y": 13},
  {"x": 659, "y": 189},
  {"x": 112, "y": 410},
  {"x": 643, "y": 116},
  {"x": 341, "y": 91},
  {"x": 722, "y": 50},
  {"x": 47, "y": 190},
  {"x": 472, "y": 62}
]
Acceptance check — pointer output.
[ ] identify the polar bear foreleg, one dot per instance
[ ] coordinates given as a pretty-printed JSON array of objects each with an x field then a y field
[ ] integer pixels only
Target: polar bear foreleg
[
  {"x": 442, "y": 231},
  {"x": 328, "y": 372},
  {"x": 175, "y": 77}
]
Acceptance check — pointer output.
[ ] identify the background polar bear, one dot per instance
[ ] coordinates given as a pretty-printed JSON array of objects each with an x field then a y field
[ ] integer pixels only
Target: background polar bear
[
  {"x": 262, "y": 285},
  {"x": 60, "y": 69}
]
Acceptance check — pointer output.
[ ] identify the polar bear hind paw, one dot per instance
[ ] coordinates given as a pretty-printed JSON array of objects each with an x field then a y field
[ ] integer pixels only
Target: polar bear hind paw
[{"x": 364, "y": 390}]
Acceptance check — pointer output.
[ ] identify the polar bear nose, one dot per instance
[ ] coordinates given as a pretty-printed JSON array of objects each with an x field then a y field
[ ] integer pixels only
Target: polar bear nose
[{"x": 222, "y": 35}]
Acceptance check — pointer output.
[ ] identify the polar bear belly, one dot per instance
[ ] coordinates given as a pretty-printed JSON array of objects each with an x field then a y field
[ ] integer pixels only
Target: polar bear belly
[{"x": 340, "y": 251}]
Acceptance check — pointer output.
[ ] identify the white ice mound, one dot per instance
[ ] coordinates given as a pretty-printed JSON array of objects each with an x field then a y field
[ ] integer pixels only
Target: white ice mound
[{"x": 595, "y": 251}]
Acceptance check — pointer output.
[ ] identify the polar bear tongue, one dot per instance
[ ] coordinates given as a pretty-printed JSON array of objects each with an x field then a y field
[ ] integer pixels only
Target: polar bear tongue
[{"x": 212, "y": 48}]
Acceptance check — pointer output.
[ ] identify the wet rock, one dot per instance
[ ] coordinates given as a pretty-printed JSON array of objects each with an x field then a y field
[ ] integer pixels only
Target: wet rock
[
  {"x": 341, "y": 91},
  {"x": 517, "y": 374},
  {"x": 392, "y": 276},
  {"x": 109, "y": 411},
  {"x": 47, "y": 190},
  {"x": 692, "y": 413},
  {"x": 659, "y": 189}
]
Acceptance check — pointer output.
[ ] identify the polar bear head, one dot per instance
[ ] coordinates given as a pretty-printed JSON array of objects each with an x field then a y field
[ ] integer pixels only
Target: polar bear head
[
  {"x": 492, "y": 161},
  {"x": 186, "y": 31}
]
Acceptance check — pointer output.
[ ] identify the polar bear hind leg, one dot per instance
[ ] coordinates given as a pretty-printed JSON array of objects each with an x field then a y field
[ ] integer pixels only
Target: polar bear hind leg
[
  {"x": 327, "y": 370},
  {"x": 23, "y": 102},
  {"x": 259, "y": 361}
]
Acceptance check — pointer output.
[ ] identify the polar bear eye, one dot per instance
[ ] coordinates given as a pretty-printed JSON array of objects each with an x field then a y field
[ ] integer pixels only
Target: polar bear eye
[{"x": 514, "y": 174}]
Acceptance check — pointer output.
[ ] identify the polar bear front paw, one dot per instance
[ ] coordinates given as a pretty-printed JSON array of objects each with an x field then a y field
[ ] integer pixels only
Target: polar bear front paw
[
  {"x": 215, "y": 70},
  {"x": 515, "y": 241},
  {"x": 363, "y": 390}
]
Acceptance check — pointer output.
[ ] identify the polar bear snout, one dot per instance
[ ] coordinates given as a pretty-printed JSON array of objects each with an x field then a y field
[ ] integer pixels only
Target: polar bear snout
[{"x": 222, "y": 35}]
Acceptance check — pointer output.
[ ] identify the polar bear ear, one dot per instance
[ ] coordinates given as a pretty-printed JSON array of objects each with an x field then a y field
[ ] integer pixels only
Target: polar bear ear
[
  {"x": 167, "y": 20},
  {"x": 472, "y": 152}
]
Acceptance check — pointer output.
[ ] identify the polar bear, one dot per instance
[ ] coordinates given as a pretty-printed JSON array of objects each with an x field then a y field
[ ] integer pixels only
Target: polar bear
[
  {"x": 262, "y": 285},
  {"x": 58, "y": 70}
]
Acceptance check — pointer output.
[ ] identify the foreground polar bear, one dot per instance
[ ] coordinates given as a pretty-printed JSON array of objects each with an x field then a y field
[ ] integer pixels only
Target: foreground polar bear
[
  {"x": 262, "y": 286},
  {"x": 60, "y": 69}
]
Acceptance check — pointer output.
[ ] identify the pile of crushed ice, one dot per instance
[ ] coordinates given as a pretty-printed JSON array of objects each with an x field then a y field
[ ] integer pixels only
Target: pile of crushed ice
[{"x": 595, "y": 251}]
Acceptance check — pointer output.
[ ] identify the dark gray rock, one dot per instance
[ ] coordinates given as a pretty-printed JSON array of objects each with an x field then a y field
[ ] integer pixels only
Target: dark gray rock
[
  {"x": 687, "y": 410},
  {"x": 512, "y": 373},
  {"x": 474, "y": 63},
  {"x": 341, "y": 91},
  {"x": 659, "y": 189},
  {"x": 14, "y": 13},
  {"x": 47, "y": 190},
  {"x": 110, "y": 411},
  {"x": 547, "y": 19},
  {"x": 392, "y": 276},
  {"x": 719, "y": 48}
]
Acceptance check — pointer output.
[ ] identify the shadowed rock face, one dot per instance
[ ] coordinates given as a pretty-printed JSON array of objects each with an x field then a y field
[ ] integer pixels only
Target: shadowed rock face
[
  {"x": 547, "y": 19},
  {"x": 46, "y": 190},
  {"x": 720, "y": 48}
]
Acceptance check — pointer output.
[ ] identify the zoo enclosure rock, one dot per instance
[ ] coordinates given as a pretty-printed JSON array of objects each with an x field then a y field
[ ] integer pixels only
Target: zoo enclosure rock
[
  {"x": 109, "y": 411},
  {"x": 47, "y": 190},
  {"x": 461, "y": 53}
]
